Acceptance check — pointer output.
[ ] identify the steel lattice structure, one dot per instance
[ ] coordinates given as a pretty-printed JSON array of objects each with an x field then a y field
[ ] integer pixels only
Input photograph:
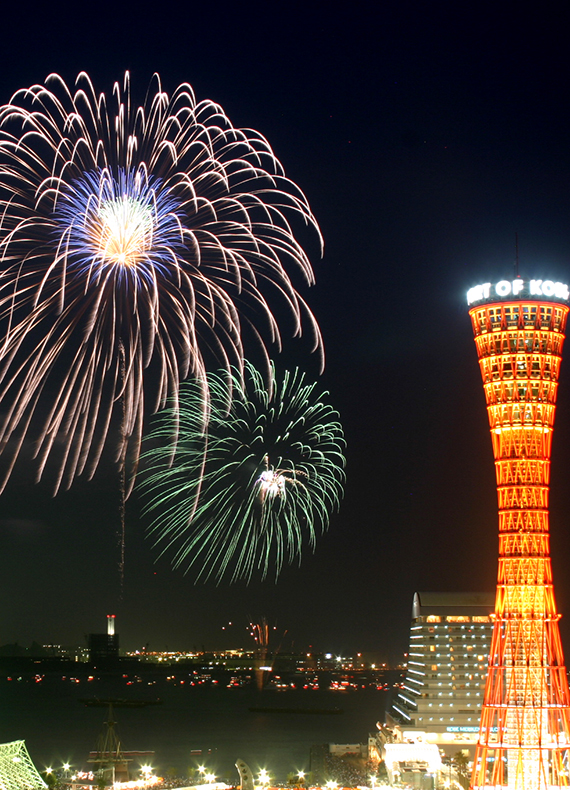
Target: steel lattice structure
[
  {"x": 17, "y": 771},
  {"x": 525, "y": 722}
]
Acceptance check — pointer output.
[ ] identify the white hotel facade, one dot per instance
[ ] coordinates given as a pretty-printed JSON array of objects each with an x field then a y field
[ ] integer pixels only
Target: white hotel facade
[{"x": 440, "y": 701}]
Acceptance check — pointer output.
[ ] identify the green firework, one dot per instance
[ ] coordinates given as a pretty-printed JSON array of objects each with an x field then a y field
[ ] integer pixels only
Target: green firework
[{"x": 260, "y": 484}]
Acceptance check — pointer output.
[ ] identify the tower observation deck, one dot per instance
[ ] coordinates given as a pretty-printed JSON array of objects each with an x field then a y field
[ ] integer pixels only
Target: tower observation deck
[{"x": 524, "y": 736}]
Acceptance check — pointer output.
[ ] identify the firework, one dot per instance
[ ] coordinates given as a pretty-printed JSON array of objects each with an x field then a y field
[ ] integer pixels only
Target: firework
[
  {"x": 137, "y": 243},
  {"x": 258, "y": 487},
  {"x": 260, "y": 633}
]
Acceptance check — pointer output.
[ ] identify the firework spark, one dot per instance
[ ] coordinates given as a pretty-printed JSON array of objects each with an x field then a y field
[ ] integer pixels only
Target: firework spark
[
  {"x": 260, "y": 485},
  {"x": 135, "y": 241},
  {"x": 260, "y": 634}
]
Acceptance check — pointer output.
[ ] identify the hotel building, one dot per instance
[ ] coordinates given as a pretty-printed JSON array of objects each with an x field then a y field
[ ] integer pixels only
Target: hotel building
[{"x": 441, "y": 697}]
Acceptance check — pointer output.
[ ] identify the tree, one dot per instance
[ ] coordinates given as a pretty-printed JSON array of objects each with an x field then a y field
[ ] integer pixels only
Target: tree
[{"x": 462, "y": 769}]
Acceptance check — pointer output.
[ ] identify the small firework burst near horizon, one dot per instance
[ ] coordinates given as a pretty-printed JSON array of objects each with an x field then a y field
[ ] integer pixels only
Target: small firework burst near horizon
[
  {"x": 139, "y": 245},
  {"x": 247, "y": 495}
]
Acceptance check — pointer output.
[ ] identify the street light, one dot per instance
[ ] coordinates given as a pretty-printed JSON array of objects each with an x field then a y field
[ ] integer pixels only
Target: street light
[{"x": 263, "y": 777}]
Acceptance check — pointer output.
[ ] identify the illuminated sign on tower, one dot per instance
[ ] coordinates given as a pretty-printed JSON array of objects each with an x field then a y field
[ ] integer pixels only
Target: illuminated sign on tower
[{"x": 524, "y": 735}]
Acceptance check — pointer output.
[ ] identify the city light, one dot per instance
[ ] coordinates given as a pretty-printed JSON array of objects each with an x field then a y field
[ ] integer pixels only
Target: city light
[{"x": 137, "y": 784}]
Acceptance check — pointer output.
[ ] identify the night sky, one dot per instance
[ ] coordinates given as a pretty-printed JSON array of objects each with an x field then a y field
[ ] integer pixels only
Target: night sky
[{"x": 425, "y": 136}]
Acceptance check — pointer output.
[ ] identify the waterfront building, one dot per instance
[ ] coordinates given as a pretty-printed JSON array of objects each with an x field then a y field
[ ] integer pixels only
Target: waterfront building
[
  {"x": 104, "y": 648},
  {"x": 440, "y": 699},
  {"x": 17, "y": 771},
  {"x": 524, "y": 738}
]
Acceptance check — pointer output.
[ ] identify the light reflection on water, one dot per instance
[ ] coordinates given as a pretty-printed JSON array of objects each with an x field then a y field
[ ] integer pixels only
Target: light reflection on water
[{"x": 57, "y": 728}]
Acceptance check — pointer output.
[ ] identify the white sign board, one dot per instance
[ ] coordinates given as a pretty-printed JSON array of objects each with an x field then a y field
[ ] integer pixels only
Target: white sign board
[{"x": 505, "y": 289}]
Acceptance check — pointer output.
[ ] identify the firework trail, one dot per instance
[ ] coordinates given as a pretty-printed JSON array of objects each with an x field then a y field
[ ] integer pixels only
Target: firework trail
[
  {"x": 260, "y": 634},
  {"x": 257, "y": 487},
  {"x": 136, "y": 243}
]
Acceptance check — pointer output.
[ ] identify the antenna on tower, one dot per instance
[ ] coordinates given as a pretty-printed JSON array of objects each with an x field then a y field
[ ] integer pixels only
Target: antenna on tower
[{"x": 516, "y": 254}]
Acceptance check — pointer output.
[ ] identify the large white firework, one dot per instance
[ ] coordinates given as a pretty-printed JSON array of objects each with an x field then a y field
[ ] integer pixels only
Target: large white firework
[{"x": 132, "y": 240}]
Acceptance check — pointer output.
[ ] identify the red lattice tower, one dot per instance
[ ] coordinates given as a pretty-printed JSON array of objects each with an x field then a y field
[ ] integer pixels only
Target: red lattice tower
[{"x": 525, "y": 721}]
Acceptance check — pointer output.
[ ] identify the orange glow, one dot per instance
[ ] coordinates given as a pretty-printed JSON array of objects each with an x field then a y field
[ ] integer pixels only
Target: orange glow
[{"x": 525, "y": 720}]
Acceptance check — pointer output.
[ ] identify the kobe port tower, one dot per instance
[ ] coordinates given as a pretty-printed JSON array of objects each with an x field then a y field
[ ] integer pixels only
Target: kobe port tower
[{"x": 524, "y": 736}]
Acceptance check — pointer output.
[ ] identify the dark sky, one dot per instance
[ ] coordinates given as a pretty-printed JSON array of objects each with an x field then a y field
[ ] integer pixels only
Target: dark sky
[{"x": 424, "y": 135}]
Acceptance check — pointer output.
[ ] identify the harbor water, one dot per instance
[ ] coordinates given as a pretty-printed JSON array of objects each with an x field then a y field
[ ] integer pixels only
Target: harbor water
[{"x": 196, "y": 722}]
